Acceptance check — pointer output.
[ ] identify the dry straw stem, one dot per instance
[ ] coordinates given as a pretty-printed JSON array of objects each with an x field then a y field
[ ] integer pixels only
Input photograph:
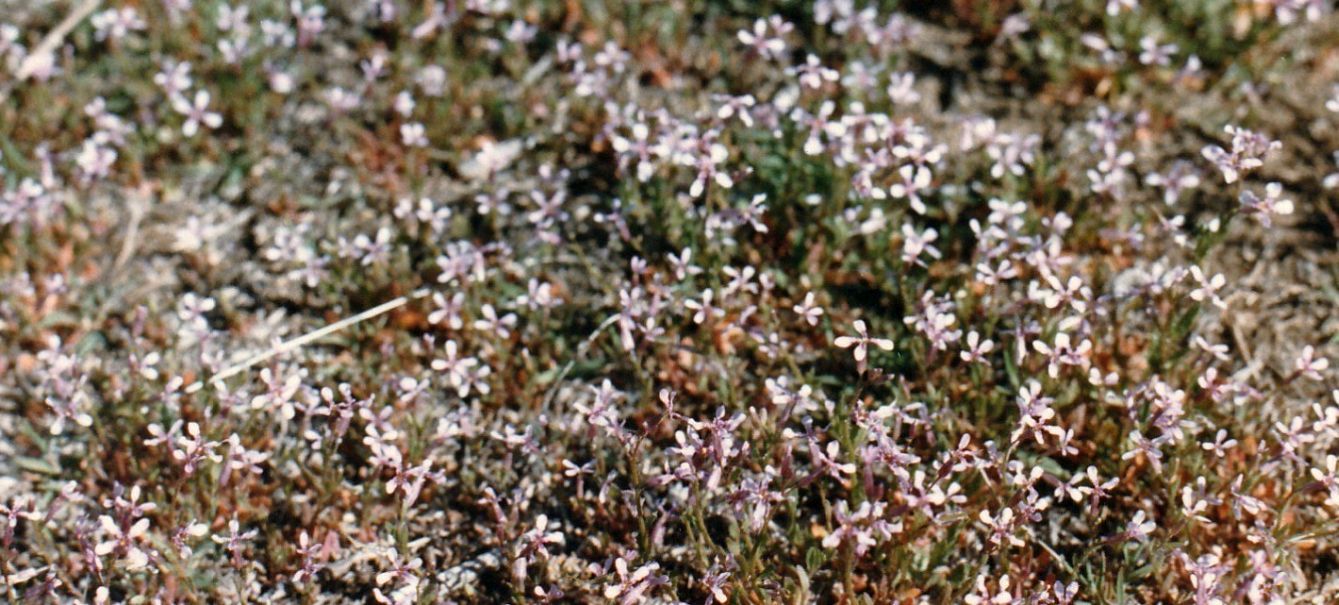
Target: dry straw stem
[
  {"x": 297, "y": 343},
  {"x": 54, "y": 38}
]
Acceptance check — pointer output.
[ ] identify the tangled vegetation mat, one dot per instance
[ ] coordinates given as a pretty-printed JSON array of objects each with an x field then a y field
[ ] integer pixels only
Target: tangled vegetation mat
[{"x": 983, "y": 302}]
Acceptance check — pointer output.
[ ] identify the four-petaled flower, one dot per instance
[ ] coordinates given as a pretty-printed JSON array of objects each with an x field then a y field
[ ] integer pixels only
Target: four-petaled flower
[
  {"x": 196, "y": 112},
  {"x": 861, "y": 343}
]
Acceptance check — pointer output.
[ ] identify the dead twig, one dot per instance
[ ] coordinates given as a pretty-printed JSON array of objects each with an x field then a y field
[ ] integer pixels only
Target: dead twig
[
  {"x": 53, "y": 39},
  {"x": 297, "y": 343}
]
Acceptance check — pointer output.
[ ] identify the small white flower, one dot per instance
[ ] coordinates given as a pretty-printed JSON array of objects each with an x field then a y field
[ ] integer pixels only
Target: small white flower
[
  {"x": 861, "y": 343},
  {"x": 1264, "y": 209},
  {"x": 809, "y": 311},
  {"x": 196, "y": 112},
  {"x": 1139, "y": 527},
  {"x": 411, "y": 135},
  {"x": 1310, "y": 366}
]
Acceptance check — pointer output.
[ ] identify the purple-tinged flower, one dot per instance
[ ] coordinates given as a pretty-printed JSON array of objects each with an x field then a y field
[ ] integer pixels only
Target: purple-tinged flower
[
  {"x": 1264, "y": 209},
  {"x": 915, "y": 244},
  {"x": 808, "y": 310},
  {"x": 1139, "y": 528},
  {"x": 633, "y": 586},
  {"x": 490, "y": 322},
  {"x": 114, "y": 24},
  {"x": 1152, "y": 53},
  {"x": 1309, "y": 365},
  {"x": 1248, "y": 151},
  {"x": 812, "y": 74},
  {"x": 977, "y": 349},
  {"x": 1220, "y": 444},
  {"x": 861, "y": 343},
  {"x": 1208, "y": 287},
  {"x": 174, "y": 78},
  {"x": 767, "y": 46},
  {"x": 411, "y": 134},
  {"x": 125, "y": 539},
  {"x": 196, "y": 112},
  {"x": 1182, "y": 176},
  {"x": 703, "y": 309}
]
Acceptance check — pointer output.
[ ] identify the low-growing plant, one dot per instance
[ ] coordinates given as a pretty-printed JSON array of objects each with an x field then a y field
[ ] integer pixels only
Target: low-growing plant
[{"x": 690, "y": 302}]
